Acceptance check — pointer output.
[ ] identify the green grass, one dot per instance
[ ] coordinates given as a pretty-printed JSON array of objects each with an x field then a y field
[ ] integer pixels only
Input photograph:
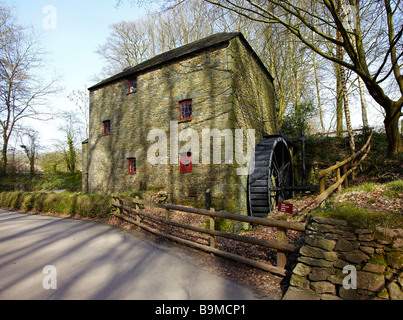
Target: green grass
[
  {"x": 395, "y": 186},
  {"x": 39, "y": 182},
  {"x": 368, "y": 187},
  {"x": 358, "y": 216},
  {"x": 392, "y": 189}
]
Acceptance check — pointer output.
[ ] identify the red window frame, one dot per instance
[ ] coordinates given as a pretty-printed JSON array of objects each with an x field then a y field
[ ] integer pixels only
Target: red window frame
[
  {"x": 132, "y": 86},
  {"x": 185, "y": 109},
  {"x": 131, "y": 166},
  {"x": 106, "y": 127},
  {"x": 186, "y": 162}
]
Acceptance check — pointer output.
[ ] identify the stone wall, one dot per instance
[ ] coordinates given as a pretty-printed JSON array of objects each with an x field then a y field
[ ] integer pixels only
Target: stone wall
[{"x": 333, "y": 250}]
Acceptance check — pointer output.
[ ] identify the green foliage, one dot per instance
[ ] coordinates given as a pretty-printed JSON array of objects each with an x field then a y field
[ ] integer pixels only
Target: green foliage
[
  {"x": 395, "y": 186},
  {"x": 297, "y": 120},
  {"x": 83, "y": 205},
  {"x": 368, "y": 187},
  {"x": 394, "y": 189},
  {"x": 70, "y": 155},
  {"x": 52, "y": 162},
  {"x": 225, "y": 225}
]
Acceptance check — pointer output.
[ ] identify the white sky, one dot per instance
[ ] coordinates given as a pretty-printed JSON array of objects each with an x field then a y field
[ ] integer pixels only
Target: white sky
[{"x": 79, "y": 28}]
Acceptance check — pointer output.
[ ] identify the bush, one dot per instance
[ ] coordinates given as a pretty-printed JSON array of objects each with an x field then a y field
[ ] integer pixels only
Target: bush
[{"x": 83, "y": 205}]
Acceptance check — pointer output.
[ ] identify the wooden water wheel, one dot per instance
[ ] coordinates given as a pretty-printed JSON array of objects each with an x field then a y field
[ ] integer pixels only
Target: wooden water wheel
[{"x": 271, "y": 177}]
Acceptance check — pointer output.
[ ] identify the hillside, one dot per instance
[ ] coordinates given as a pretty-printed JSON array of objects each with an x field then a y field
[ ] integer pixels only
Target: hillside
[{"x": 376, "y": 194}]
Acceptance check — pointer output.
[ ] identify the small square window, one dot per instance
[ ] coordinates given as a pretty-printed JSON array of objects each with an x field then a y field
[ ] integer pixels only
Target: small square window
[
  {"x": 107, "y": 127},
  {"x": 185, "y": 110},
  {"x": 186, "y": 162},
  {"x": 132, "y": 86},
  {"x": 131, "y": 166}
]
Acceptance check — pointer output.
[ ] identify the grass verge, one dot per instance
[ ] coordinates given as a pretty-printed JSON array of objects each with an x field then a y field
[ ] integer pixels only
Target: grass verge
[{"x": 72, "y": 204}]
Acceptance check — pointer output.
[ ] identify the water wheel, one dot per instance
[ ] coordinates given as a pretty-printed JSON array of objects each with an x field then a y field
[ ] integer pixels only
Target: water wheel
[{"x": 271, "y": 176}]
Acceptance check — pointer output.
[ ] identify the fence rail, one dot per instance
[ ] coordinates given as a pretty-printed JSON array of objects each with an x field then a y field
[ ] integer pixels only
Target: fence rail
[
  {"x": 134, "y": 214},
  {"x": 349, "y": 166}
]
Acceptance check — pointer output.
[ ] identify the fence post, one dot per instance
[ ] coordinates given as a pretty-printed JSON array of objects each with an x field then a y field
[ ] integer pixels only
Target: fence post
[
  {"x": 136, "y": 206},
  {"x": 345, "y": 169},
  {"x": 281, "y": 237},
  {"x": 120, "y": 201},
  {"x": 212, "y": 227},
  {"x": 167, "y": 218},
  {"x": 321, "y": 185},
  {"x": 338, "y": 178}
]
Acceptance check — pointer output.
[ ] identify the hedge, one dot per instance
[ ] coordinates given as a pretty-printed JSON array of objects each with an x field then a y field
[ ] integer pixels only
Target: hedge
[{"x": 84, "y": 205}]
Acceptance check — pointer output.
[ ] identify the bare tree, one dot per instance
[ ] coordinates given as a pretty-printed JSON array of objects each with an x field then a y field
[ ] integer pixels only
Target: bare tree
[
  {"x": 385, "y": 18},
  {"x": 132, "y": 42},
  {"x": 21, "y": 90},
  {"x": 382, "y": 19},
  {"x": 31, "y": 147},
  {"x": 71, "y": 127},
  {"x": 186, "y": 21},
  {"x": 81, "y": 100}
]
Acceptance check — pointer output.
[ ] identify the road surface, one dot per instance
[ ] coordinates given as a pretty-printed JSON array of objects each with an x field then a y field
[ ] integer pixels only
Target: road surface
[{"x": 43, "y": 257}]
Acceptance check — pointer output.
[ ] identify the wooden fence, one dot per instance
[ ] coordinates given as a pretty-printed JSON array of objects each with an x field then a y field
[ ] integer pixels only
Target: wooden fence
[
  {"x": 348, "y": 166},
  {"x": 135, "y": 214}
]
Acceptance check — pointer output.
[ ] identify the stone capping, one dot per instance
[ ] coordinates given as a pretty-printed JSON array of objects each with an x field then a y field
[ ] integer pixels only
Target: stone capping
[{"x": 331, "y": 245}]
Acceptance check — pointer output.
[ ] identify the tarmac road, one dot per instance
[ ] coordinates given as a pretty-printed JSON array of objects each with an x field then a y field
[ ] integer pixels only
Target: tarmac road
[{"x": 92, "y": 261}]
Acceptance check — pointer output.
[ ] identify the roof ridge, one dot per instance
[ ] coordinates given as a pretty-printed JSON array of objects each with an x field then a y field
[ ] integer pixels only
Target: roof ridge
[{"x": 170, "y": 55}]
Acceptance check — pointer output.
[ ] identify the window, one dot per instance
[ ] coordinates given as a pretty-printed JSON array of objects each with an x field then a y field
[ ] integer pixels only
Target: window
[
  {"x": 107, "y": 127},
  {"x": 185, "y": 110},
  {"x": 131, "y": 166},
  {"x": 132, "y": 86},
  {"x": 185, "y": 162}
]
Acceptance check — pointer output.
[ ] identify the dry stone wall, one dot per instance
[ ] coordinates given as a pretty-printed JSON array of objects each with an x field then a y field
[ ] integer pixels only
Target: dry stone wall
[{"x": 339, "y": 261}]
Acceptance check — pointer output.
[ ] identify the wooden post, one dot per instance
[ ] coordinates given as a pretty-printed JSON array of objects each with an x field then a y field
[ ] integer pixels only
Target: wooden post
[
  {"x": 338, "y": 178},
  {"x": 136, "y": 206},
  {"x": 120, "y": 210},
  {"x": 281, "y": 237},
  {"x": 321, "y": 185},
  {"x": 167, "y": 217},
  {"x": 212, "y": 227},
  {"x": 345, "y": 169}
]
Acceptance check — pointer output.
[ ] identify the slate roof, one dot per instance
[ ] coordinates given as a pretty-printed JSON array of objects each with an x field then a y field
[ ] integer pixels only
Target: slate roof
[{"x": 188, "y": 49}]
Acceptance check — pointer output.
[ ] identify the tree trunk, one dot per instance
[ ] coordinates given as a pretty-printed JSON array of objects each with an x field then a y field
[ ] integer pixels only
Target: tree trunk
[
  {"x": 391, "y": 122},
  {"x": 340, "y": 54},
  {"x": 347, "y": 109},
  {"x": 363, "y": 103},
  {"x": 318, "y": 94},
  {"x": 339, "y": 102},
  {"x": 3, "y": 167}
]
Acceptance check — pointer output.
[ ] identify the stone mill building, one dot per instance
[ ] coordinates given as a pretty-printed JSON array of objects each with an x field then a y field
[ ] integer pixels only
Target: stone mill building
[{"x": 211, "y": 88}]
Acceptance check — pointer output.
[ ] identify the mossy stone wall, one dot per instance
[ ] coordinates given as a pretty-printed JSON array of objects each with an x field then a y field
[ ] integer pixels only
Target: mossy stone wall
[{"x": 333, "y": 248}]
